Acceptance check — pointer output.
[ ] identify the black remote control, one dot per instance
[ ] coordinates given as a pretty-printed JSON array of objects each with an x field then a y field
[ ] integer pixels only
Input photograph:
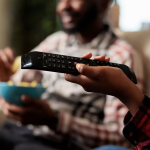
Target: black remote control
[{"x": 66, "y": 64}]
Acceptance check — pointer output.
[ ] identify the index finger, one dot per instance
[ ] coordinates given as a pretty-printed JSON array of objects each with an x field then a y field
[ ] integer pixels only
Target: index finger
[
  {"x": 10, "y": 54},
  {"x": 102, "y": 58},
  {"x": 72, "y": 78},
  {"x": 88, "y": 56},
  {"x": 15, "y": 109}
]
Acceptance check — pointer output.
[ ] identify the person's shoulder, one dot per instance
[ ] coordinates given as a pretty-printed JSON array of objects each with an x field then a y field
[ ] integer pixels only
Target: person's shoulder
[
  {"x": 121, "y": 45},
  {"x": 121, "y": 51},
  {"x": 52, "y": 42}
]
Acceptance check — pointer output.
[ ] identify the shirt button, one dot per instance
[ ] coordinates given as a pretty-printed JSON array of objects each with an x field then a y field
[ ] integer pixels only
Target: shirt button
[{"x": 135, "y": 142}]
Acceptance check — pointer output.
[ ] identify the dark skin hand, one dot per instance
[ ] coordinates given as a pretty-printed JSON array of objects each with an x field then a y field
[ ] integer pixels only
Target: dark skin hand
[
  {"x": 37, "y": 112},
  {"x": 7, "y": 58},
  {"x": 110, "y": 81}
]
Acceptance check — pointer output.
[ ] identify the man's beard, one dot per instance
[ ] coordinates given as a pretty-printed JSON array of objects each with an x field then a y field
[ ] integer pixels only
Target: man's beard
[{"x": 88, "y": 19}]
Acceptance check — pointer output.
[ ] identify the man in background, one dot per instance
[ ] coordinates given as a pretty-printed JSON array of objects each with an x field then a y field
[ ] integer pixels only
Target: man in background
[{"x": 70, "y": 118}]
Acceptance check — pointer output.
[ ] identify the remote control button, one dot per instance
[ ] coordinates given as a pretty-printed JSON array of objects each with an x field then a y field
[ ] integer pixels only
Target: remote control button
[
  {"x": 75, "y": 63},
  {"x": 54, "y": 60},
  {"x": 81, "y": 59},
  {"x": 45, "y": 63},
  {"x": 110, "y": 64},
  {"x": 75, "y": 58},
  {"x": 103, "y": 63},
  {"x": 50, "y": 64},
  {"x": 73, "y": 68},
  {"x": 39, "y": 58},
  {"x": 114, "y": 65},
  {"x": 49, "y": 55},
  {"x": 49, "y": 59},
  {"x": 63, "y": 66},
  {"x": 98, "y": 62},
  {"x": 58, "y": 60},
  {"x": 58, "y": 66},
  {"x": 63, "y": 61},
  {"x": 53, "y": 55},
  {"x": 69, "y": 67},
  {"x": 72, "y": 58},
  {"x": 44, "y": 55},
  {"x": 118, "y": 65},
  {"x": 93, "y": 63},
  {"x": 68, "y": 58},
  {"x": 69, "y": 62},
  {"x": 106, "y": 63},
  {"x": 58, "y": 56},
  {"x": 62, "y": 57},
  {"x": 54, "y": 65}
]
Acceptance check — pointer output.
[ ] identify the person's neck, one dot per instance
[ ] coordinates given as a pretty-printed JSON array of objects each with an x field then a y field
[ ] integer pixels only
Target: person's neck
[{"x": 89, "y": 33}]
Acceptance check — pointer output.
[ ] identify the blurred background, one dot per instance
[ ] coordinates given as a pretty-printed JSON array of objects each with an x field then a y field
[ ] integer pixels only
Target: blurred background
[{"x": 25, "y": 23}]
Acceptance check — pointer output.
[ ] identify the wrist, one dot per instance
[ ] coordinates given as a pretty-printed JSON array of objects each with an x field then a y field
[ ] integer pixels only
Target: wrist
[
  {"x": 132, "y": 97},
  {"x": 134, "y": 103}
]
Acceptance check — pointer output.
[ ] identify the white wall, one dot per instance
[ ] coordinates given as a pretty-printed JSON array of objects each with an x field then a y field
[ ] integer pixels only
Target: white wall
[
  {"x": 133, "y": 13},
  {"x": 4, "y": 23}
]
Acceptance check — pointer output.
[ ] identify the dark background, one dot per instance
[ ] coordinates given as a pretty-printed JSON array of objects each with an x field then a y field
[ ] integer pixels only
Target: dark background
[{"x": 31, "y": 22}]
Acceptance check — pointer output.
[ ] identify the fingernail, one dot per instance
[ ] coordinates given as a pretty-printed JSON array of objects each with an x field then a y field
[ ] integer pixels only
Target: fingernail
[
  {"x": 23, "y": 97},
  {"x": 78, "y": 66}
]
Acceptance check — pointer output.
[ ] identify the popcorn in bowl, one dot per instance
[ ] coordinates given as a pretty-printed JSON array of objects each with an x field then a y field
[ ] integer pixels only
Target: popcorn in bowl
[{"x": 12, "y": 92}]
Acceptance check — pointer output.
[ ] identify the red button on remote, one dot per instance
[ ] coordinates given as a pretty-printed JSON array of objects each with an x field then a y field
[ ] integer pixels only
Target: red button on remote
[{"x": 75, "y": 63}]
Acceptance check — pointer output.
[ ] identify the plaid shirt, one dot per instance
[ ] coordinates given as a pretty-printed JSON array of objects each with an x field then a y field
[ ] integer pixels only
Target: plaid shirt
[
  {"x": 137, "y": 129},
  {"x": 91, "y": 119}
]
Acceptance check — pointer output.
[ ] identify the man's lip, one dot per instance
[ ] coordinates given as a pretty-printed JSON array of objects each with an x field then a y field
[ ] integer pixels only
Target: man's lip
[{"x": 67, "y": 18}]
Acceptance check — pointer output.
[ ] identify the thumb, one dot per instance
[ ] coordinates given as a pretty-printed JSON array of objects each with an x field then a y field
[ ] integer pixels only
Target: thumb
[
  {"x": 28, "y": 100},
  {"x": 90, "y": 72}
]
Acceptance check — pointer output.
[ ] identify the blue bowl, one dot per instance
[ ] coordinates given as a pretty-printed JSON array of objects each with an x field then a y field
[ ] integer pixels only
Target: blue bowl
[{"x": 12, "y": 93}]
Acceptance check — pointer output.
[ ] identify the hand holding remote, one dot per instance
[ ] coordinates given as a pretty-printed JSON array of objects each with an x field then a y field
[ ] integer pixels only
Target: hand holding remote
[{"x": 110, "y": 81}]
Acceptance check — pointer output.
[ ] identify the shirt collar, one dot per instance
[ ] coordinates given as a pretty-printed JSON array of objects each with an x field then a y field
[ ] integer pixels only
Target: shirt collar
[{"x": 94, "y": 44}]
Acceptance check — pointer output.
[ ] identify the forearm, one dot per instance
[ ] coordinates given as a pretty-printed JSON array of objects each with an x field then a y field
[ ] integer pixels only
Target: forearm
[{"x": 131, "y": 96}]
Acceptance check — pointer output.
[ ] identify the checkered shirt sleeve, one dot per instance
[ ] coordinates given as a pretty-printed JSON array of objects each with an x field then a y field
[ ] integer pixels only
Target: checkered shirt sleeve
[{"x": 137, "y": 129}]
